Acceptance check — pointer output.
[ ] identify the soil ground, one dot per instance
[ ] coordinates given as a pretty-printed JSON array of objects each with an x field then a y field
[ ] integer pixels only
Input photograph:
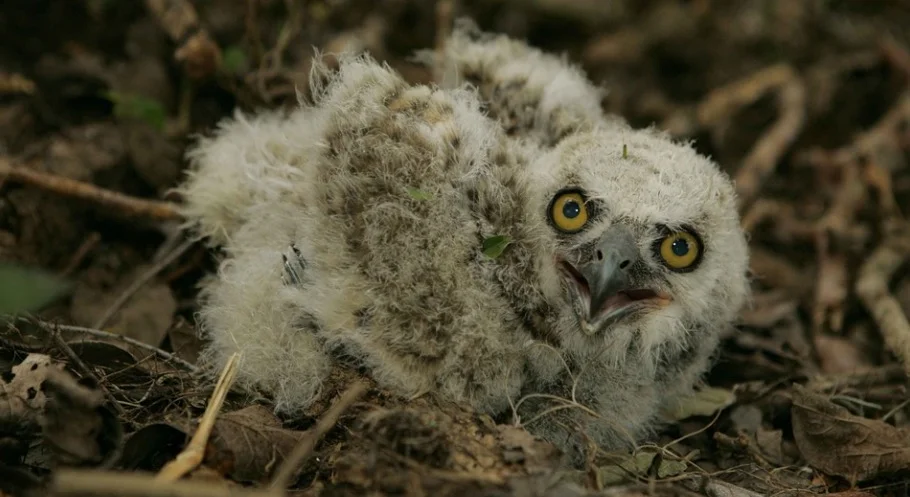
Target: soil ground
[{"x": 805, "y": 104}]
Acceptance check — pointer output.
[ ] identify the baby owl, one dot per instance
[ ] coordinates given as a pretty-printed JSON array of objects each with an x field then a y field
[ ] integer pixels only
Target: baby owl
[{"x": 495, "y": 240}]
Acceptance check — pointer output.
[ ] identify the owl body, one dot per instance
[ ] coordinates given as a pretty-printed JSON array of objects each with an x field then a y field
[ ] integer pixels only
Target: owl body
[{"x": 356, "y": 227}]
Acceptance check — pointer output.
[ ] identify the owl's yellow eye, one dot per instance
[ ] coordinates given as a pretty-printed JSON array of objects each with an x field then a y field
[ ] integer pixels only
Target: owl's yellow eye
[
  {"x": 568, "y": 212},
  {"x": 680, "y": 250}
]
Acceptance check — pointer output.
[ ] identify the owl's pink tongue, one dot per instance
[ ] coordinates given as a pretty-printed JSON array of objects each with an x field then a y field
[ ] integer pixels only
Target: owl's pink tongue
[
  {"x": 621, "y": 299},
  {"x": 625, "y": 297}
]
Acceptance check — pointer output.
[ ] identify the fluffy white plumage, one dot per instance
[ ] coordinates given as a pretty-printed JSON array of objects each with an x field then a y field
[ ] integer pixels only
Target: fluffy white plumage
[{"x": 353, "y": 226}]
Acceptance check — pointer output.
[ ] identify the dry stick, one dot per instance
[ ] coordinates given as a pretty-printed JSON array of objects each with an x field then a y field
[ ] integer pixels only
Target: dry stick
[
  {"x": 117, "y": 484},
  {"x": 764, "y": 156},
  {"x": 155, "y": 209},
  {"x": 724, "y": 101},
  {"x": 289, "y": 466},
  {"x": 197, "y": 52},
  {"x": 882, "y": 375},
  {"x": 897, "y": 54},
  {"x": 16, "y": 83},
  {"x": 74, "y": 358},
  {"x": 167, "y": 356},
  {"x": 831, "y": 288},
  {"x": 140, "y": 282},
  {"x": 872, "y": 289},
  {"x": 289, "y": 31},
  {"x": 190, "y": 457},
  {"x": 445, "y": 11}
]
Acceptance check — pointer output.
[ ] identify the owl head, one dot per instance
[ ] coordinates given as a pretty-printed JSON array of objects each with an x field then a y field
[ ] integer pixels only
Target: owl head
[{"x": 641, "y": 235}]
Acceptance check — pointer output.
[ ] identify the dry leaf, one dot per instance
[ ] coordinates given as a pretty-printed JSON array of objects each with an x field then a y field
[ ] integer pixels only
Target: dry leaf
[
  {"x": 22, "y": 401},
  {"x": 146, "y": 316},
  {"x": 770, "y": 442},
  {"x": 842, "y": 444},
  {"x": 253, "y": 439},
  {"x": 153, "y": 446},
  {"x": 830, "y": 292},
  {"x": 23, "y": 393},
  {"x": 185, "y": 341},
  {"x": 246, "y": 445},
  {"x": 76, "y": 425}
]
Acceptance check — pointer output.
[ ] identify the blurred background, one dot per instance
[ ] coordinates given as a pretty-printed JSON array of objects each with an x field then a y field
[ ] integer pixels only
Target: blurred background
[{"x": 805, "y": 103}]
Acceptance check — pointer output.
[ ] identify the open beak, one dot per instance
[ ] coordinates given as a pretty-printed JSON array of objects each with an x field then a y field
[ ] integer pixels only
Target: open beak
[{"x": 603, "y": 287}]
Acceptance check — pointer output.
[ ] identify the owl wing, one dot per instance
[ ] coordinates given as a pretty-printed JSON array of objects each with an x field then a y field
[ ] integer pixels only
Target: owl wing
[
  {"x": 353, "y": 224},
  {"x": 531, "y": 93}
]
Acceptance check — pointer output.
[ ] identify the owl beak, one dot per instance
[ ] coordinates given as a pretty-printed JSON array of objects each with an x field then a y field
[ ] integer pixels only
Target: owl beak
[{"x": 604, "y": 286}]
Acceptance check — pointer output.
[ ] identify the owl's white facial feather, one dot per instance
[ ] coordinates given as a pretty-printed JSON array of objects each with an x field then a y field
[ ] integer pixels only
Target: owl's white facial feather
[{"x": 644, "y": 182}]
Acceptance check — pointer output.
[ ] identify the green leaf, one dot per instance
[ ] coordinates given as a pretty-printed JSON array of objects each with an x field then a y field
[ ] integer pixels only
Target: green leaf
[
  {"x": 138, "y": 107},
  {"x": 233, "y": 59},
  {"x": 419, "y": 194},
  {"x": 625, "y": 151},
  {"x": 495, "y": 245},
  {"x": 27, "y": 290},
  {"x": 705, "y": 402}
]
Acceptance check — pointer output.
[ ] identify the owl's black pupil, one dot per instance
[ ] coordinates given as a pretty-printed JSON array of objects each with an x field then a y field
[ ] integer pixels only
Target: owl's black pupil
[
  {"x": 680, "y": 247},
  {"x": 571, "y": 209}
]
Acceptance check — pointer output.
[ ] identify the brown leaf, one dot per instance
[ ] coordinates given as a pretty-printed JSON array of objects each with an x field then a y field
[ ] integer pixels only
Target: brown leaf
[
  {"x": 770, "y": 442},
  {"x": 842, "y": 444},
  {"x": 146, "y": 316},
  {"x": 185, "y": 342},
  {"x": 254, "y": 440},
  {"x": 153, "y": 446},
  {"x": 830, "y": 292},
  {"x": 76, "y": 425}
]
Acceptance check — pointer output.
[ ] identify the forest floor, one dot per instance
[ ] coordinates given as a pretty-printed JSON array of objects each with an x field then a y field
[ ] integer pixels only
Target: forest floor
[{"x": 805, "y": 104}]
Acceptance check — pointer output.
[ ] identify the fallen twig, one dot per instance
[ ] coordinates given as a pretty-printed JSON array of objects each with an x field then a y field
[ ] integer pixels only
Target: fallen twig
[
  {"x": 767, "y": 151},
  {"x": 445, "y": 11},
  {"x": 872, "y": 289},
  {"x": 190, "y": 457},
  {"x": 305, "y": 447},
  {"x": 16, "y": 83},
  {"x": 112, "y": 336},
  {"x": 722, "y": 102},
  {"x": 121, "y": 484},
  {"x": 74, "y": 358},
  {"x": 131, "y": 206},
  {"x": 90, "y": 242}
]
